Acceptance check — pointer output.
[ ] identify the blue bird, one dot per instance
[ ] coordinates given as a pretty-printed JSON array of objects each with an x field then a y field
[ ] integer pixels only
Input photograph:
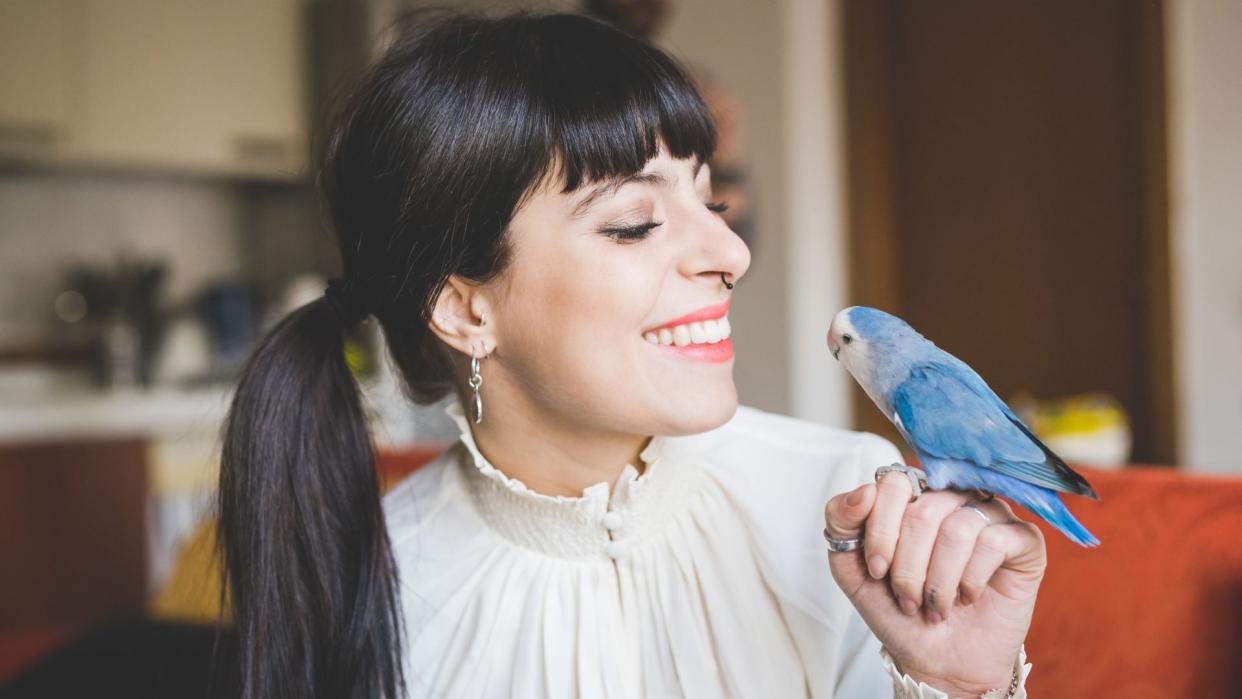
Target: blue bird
[{"x": 964, "y": 435}]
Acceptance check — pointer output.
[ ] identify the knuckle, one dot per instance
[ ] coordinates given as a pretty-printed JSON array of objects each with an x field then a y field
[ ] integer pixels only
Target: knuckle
[
  {"x": 956, "y": 530},
  {"x": 920, "y": 513},
  {"x": 1035, "y": 532},
  {"x": 992, "y": 539}
]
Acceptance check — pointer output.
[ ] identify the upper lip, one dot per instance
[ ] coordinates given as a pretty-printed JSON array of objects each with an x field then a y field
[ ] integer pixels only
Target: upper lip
[{"x": 712, "y": 312}]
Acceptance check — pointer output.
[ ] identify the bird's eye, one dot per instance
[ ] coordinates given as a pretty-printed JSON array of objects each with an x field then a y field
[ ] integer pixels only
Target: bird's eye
[{"x": 847, "y": 338}]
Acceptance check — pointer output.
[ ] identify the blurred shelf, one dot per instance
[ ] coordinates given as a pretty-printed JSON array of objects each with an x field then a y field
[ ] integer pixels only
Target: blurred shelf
[{"x": 82, "y": 415}]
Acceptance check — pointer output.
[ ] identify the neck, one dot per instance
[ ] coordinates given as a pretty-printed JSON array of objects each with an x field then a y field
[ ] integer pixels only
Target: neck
[{"x": 550, "y": 454}]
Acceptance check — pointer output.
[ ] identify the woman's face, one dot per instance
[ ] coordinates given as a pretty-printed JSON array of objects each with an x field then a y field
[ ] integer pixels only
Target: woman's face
[{"x": 594, "y": 276}]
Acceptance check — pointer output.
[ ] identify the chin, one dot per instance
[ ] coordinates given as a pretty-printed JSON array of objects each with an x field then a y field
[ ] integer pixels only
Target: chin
[{"x": 706, "y": 413}]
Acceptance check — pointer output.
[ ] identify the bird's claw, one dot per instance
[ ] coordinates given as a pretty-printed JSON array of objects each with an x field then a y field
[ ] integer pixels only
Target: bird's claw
[{"x": 918, "y": 478}]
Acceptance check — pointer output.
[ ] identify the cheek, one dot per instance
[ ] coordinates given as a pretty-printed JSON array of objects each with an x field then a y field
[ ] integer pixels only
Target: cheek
[{"x": 583, "y": 310}]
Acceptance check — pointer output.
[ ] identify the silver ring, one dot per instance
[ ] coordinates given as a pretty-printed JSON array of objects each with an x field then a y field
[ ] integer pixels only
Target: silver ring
[
  {"x": 842, "y": 545},
  {"x": 974, "y": 507},
  {"x": 918, "y": 479}
]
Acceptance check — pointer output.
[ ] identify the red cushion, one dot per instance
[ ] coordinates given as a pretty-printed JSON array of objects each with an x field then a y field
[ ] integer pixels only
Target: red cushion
[{"x": 1156, "y": 610}]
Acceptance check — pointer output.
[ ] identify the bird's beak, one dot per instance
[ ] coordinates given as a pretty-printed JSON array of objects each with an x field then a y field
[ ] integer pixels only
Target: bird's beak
[{"x": 835, "y": 351}]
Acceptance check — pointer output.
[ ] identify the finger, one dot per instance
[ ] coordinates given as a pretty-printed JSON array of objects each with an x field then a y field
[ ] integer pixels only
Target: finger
[
  {"x": 914, "y": 547},
  {"x": 844, "y": 516},
  {"x": 845, "y": 513},
  {"x": 1015, "y": 544},
  {"x": 884, "y": 524},
  {"x": 955, "y": 544}
]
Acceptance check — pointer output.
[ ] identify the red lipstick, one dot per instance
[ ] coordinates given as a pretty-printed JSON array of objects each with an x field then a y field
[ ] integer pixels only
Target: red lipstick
[{"x": 713, "y": 312}]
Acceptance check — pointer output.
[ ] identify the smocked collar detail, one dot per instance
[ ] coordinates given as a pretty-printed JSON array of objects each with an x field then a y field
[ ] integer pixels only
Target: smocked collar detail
[{"x": 596, "y": 525}]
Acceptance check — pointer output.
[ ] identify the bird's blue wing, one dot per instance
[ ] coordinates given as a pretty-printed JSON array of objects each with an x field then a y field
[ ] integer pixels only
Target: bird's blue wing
[{"x": 950, "y": 413}]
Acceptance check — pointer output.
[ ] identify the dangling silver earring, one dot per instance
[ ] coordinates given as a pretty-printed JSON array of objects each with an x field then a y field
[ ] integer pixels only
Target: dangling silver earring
[{"x": 476, "y": 380}]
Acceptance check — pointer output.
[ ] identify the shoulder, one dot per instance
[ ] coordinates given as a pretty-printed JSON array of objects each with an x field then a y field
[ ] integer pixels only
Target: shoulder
[{"x": 420, "y": 496}]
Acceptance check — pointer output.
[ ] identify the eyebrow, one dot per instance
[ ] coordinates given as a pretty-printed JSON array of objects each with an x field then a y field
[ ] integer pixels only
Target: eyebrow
[{"x": 610, "y": 187}]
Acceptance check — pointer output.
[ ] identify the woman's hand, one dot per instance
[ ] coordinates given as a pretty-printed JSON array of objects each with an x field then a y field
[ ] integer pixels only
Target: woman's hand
[{"x": 949, "y": 594}]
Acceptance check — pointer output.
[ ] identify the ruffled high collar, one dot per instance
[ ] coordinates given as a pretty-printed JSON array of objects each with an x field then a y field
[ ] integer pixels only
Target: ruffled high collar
[{"x": 596, "y": 525}]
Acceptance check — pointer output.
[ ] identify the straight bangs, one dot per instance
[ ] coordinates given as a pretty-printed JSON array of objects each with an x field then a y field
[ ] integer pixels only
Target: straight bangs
[{"x": 606, "y": 101}]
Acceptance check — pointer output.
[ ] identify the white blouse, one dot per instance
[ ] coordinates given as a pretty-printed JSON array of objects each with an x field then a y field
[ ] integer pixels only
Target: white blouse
[{"x": 705, "y": 576}]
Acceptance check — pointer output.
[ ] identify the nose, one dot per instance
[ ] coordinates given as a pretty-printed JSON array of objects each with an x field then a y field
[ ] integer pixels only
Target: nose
[{"x": 718, "y": 252}]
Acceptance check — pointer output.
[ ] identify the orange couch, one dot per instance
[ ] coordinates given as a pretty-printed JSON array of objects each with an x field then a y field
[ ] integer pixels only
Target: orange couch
[{"x": 1156, "y": 610}]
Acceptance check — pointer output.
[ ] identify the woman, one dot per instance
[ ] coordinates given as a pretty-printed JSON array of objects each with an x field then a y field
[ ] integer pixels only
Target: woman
[{"x": 522, "y": 204}]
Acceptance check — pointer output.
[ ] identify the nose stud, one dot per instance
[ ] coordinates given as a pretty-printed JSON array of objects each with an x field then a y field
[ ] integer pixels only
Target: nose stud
[{"x": 726, "y": 281}]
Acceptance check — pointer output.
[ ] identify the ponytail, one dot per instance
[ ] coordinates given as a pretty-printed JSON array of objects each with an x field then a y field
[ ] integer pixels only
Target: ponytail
[{"x": 305, "y": 552}]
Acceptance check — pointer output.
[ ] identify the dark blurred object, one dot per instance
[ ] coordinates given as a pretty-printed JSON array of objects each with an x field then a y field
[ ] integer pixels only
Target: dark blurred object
[
  {"x": 232, "y": 311},
  {"x": 1156, "y": 610},
  {"x": 132, "y": 657},
  {"x": 115, "y": 311}
]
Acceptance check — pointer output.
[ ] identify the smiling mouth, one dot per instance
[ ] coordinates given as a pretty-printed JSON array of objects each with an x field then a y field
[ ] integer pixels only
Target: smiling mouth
[{"x": 701, "y": 332}]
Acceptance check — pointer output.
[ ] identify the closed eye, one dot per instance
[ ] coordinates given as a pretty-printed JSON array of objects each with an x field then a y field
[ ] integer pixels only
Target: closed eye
[{"x": 630, "y": 233}]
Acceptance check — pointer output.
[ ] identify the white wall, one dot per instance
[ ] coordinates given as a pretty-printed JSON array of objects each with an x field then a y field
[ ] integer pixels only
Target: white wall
[
  {"x": 1205, "y": 162},
  {"x": 783, "y": 61}
]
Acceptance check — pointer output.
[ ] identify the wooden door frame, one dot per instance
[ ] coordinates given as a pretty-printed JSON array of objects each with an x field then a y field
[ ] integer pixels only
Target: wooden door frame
[{"x": 872, "y": 237}]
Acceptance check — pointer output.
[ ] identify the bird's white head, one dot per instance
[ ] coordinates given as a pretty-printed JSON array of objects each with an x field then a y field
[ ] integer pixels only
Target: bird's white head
[
  {"x": 842, "y": 336},
  {"x": 873, "y": 345}
]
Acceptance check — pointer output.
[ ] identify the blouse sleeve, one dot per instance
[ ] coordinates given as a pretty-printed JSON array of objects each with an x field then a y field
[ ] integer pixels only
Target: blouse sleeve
[{"x": 904, "y": 686}]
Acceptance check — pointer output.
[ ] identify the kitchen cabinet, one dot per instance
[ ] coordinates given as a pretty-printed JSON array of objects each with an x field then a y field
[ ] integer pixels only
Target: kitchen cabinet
[
  {"x": 36, "y": 73},
  {"x": 156, "y": 85}
]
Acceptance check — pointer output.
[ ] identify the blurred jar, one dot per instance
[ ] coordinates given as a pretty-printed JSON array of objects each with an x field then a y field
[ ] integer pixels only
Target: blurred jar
[{"x": 1091, "y": 429}]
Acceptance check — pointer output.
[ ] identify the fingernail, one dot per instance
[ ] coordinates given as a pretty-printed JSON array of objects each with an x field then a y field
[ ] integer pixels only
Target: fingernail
[
  {"x": 877, "y": 565},
  {"x": 908, "y": 607},
  {"x": 934, "y": 617},
  {"x": 855, "y": 497}
]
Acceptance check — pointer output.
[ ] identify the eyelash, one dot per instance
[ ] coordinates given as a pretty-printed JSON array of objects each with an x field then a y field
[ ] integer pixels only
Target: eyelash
[{"x": 640, "y": 231}]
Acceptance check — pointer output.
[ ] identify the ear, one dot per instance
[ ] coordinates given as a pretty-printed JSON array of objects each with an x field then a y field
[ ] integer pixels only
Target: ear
[{"x": 460, "y": 318}]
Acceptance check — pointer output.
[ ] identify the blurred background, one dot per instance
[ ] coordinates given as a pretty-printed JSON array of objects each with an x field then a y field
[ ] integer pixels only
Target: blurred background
[{"x": 1046, "y": 189}]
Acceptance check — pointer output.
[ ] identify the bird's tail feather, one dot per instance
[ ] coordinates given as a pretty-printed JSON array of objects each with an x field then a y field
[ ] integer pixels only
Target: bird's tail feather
[{"x": 1050, "y": 508}]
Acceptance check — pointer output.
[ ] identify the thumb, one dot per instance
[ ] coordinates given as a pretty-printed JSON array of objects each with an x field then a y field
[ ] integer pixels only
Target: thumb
[{"x": 845, "y": 515}]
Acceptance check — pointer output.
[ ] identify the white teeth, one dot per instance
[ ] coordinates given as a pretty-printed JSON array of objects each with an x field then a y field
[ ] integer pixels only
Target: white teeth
[
  {"x": 681, "y": 336},
  {"x": 704, "y": 332},
  {"x": 697, "y": 336},
  {"x": 712, "y": 330}
]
